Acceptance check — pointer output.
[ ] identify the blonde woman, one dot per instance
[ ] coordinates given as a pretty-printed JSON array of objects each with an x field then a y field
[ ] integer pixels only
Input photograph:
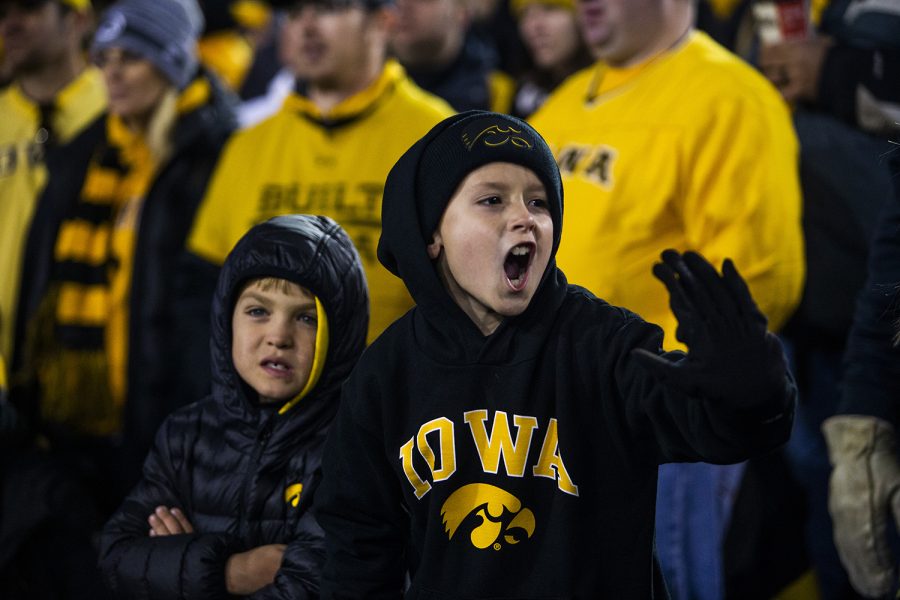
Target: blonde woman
[{"x": 104, "y": 347}]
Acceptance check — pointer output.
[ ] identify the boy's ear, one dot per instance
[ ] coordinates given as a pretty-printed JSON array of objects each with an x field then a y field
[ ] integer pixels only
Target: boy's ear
[{"x": 434, "y": 248}]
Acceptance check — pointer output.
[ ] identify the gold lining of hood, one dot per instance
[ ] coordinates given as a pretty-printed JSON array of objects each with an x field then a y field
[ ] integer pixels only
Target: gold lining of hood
[{"x": 318, "y": 365}]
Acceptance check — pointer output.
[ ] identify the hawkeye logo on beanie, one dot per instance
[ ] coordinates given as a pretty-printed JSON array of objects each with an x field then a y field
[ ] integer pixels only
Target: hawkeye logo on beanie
[
  {"x": 503, "y": 520},
  {"x": 493, "y": 136}
]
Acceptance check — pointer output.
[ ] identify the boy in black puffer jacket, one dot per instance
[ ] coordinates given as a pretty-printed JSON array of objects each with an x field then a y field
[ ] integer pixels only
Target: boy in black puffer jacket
[{"x": 223, "y": 506}]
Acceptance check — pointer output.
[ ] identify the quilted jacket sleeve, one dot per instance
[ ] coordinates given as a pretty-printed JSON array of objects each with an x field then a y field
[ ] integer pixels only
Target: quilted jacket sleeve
[
  {"x": 135, "y": 565},
  {"x": 301, "y": 567}
]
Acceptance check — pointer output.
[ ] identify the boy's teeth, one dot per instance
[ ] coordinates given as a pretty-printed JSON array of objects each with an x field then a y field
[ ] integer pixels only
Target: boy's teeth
[
  {"x": 277, "y": 366},
  {"x": 517, "y": 262}
]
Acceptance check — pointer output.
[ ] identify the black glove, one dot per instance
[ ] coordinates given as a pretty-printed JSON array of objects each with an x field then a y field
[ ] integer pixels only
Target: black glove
[{"x": 731, "y": 356}]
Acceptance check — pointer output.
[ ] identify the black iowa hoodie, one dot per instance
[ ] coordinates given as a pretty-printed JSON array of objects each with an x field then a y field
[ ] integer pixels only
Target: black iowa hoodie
[{"x": 522, "y": 464}]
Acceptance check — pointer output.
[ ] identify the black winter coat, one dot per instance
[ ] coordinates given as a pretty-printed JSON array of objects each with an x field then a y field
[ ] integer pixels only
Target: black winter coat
[
  {"x": 871, "y": 384},
  {"x": 159, "y": 381},
  {"x": 227, "y": 461}
]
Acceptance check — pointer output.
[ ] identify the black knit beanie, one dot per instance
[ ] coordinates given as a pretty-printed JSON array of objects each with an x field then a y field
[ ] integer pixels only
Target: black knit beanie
[
  {"x": 471, "y": 140},
  {"x": 426, "y": 176}
]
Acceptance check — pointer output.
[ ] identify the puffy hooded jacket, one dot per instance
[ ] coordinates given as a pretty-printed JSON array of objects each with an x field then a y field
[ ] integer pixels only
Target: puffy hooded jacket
[{"x": 243, "y": 473}]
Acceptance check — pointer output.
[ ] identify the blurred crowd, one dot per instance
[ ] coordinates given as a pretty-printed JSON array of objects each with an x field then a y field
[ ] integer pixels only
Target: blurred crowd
[{"x": 140, "y": 139}]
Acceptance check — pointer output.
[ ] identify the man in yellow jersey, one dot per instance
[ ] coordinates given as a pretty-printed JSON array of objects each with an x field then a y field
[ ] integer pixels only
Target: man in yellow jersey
[
  {"x": 329, "y": 148},
  {"x": 52, "y": 99},
  {"x": 671, "y": 141}
]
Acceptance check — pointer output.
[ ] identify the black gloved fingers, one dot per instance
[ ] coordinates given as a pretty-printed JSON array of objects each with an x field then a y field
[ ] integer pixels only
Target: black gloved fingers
[
  {"x": 694, "y": 289},
  {"x": 678, "y": 299},
  {"x": 675, "y": 275},
  {"x": 739, "y": 290},
  {"x": 723, "y": 305},
  {"x": 680, "y": 304}
]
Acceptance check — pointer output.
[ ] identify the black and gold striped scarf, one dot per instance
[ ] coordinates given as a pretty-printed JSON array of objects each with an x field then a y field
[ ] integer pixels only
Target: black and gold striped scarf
[
  {"x": 79, "y": 337},
  {"x": 77, "y": 344}
]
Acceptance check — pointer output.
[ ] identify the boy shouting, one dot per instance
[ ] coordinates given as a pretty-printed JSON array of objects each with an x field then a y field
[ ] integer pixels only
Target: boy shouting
[{"x": 502, "y": 439}]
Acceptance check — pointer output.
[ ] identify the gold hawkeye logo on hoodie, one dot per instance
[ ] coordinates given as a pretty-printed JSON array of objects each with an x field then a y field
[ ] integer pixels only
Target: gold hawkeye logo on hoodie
[{"x": 503, "y": 518}]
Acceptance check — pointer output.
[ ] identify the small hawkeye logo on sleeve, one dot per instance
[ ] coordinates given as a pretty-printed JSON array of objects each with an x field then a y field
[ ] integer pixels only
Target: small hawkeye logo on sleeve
[
  {"x": 292, "y": 494},
  {"x": 502, "y": 516}
]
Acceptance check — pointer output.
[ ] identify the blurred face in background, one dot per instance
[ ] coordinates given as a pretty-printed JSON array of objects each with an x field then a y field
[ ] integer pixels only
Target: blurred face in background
[
  {"x": 37, "y": 34},
  {"x": 481, "y": 11},
  {"x": 329, "y": 44},
  {"x": 428, "y": 32},
  {"x": 289, "y": 42},
  {"x": 619, "y": 31},
  {"x": 135, "y": 87},
  {"x": 551, "y": 35}
]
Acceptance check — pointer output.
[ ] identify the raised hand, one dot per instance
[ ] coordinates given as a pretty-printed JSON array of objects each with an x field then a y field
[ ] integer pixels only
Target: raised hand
[
  {"x": 731, "y": 356},
  {"x": 168, "y": 521}
]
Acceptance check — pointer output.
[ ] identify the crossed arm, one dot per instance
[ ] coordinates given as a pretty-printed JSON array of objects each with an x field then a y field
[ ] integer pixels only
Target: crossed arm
[
  {"x": 245, "y": 572},
  {"x": 154, "y": 545}
]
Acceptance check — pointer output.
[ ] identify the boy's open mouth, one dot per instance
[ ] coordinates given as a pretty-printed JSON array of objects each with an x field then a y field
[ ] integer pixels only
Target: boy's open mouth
[
  {"x": 276, "y": 367},
  {"x": 516, "y": 265}
]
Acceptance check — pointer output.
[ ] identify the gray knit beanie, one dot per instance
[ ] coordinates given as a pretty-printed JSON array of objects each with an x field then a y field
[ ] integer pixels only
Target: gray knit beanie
[{"x": 164, "y": 32}]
